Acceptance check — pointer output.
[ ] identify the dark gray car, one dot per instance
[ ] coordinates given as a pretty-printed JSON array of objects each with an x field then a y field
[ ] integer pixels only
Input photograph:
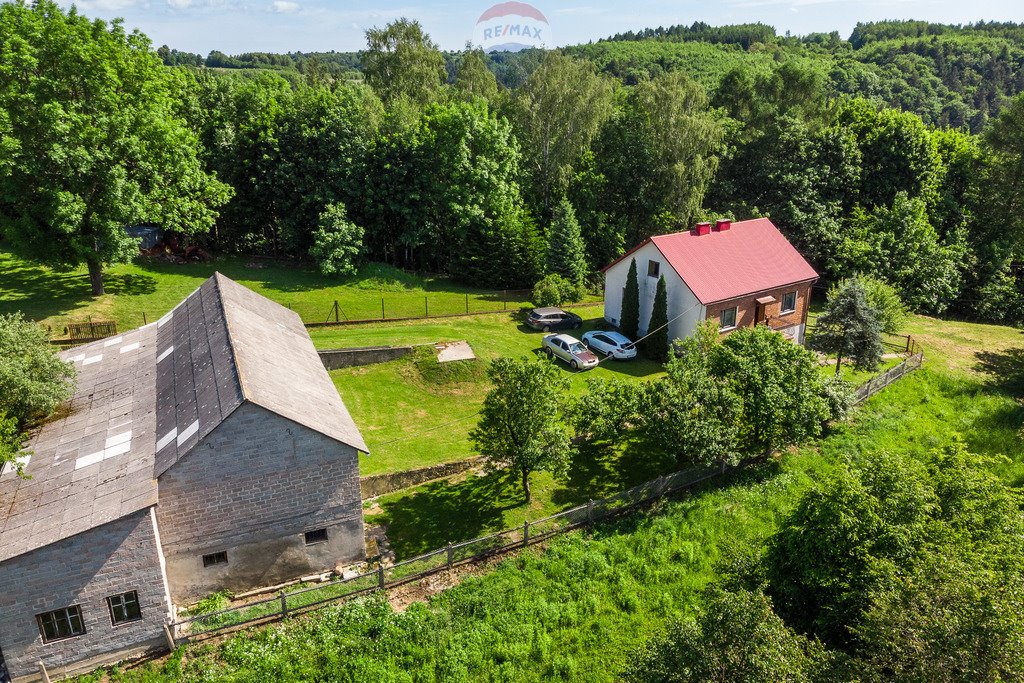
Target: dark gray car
[{"x": 551, "y": 318}]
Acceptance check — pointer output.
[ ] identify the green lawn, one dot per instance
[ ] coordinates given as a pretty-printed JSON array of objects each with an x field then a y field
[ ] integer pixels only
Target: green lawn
[
  {"x": 148, "y": 288},
  {"x": 969, "y": 387},
  {"x": 410, "y": 419},
  {"x": 577, "y": 609}
]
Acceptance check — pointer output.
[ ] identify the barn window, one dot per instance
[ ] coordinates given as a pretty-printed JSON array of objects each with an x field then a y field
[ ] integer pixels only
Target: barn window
[
  {"x": 215, "y": 559},
  {"x": 316, "y": 536},
  {"x": 727, "y": 319},
  {"x": 653, "y": 268},
  {"x": 124, "y": 608},
  {"x": 788, "y": 302},
  {"x": 61, "y": 623}
]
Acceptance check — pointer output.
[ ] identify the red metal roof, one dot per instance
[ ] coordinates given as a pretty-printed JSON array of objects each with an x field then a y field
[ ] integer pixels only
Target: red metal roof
[{"x": 752, "y": 256}]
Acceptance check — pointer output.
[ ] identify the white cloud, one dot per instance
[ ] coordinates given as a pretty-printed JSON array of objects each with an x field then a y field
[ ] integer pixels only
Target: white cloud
[
  {"x": 179, "y": 4},
  {"x": 286, "y": 6},
  {"x": 107, "y": 5}
]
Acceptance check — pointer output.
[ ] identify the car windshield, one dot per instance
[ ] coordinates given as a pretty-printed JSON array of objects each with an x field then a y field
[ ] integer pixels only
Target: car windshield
[{"x": 577, "y": 348}]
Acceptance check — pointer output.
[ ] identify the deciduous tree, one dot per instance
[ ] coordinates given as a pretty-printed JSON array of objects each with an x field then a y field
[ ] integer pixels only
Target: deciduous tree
[
  {"x": 521, "y": 426},
  {"x": 557, "y": 113},
  {"x": 401, "y": 61},
  {"x": 91, "y": 141},
  {"x": 337, "y": 242}
]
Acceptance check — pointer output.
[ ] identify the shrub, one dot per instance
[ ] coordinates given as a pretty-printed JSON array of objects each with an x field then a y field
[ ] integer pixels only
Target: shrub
[
  {"x": 554, "y": 290},
  {"x": 33, "y": 379},
  {"x": 337, "y": 242}
]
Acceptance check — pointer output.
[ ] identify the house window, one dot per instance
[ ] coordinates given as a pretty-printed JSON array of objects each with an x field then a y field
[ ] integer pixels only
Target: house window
[
  {"x": 61, "y": 623},
  {"x": 788, "y": 302},
  {"x": 653, "y": 268},
  {"x": 316, "y": 536},
  {"x": 727, "y": 319},
  {"x": 215, "y": 559},
  {"x": 124, "y": 608}
]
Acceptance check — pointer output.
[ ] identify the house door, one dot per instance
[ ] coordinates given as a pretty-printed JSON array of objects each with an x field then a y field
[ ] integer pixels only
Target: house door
[{"x": 761, "y": 310}]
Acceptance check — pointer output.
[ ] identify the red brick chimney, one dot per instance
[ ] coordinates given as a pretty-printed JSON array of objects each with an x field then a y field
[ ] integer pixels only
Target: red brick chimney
[
  {"x": 703, "y": 228},
  {"x": 723, "y": 224}
]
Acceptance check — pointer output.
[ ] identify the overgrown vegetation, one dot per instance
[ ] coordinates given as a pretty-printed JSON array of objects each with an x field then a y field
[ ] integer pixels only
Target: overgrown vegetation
[{"x": 34, "y": 381}]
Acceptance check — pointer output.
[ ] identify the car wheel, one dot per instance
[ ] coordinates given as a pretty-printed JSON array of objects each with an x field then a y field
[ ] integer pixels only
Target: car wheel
[
  {"x": 575, "y": 365},
  {"x": 578, "y": 325},
  {"x": 609, "y": 354},
  {"x": 548, "y": 351},
  {"x": 547, "y": 328}
]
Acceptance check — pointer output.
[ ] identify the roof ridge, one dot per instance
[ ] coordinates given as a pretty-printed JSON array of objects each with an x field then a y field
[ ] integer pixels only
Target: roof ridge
[{"x": 216, "y": 277}]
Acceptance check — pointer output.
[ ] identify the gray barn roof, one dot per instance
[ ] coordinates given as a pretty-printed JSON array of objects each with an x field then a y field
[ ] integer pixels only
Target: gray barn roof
[{"x": 146, "y": 397}]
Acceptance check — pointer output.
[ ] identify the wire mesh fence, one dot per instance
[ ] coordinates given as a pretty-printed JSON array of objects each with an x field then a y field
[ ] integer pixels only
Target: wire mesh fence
[{"x": 884, "y": 379}]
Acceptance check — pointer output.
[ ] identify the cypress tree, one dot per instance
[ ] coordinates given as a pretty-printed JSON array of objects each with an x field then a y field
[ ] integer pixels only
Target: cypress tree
[
  {"x": 567, "y": 254},
  {"x": 629, "y": 316},
  {"x": 656, "y": 345}
]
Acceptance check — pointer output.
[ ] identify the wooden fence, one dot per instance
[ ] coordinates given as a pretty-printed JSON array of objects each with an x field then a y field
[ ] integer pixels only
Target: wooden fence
[
  {"x": 882, "y": 380},
  {"x": 280, "y": 606},
  {"x": 202, "y": 626}
]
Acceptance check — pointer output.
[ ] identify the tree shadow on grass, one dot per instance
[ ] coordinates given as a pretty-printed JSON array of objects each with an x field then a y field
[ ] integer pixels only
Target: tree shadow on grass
[
  {"x": 1004, "y": 368},
  {"x": 751, "y": 475},
  {"x": 602, "y": 469},
  {"x": 39, "y": 292},
  {"x": 442, "y": 511}
]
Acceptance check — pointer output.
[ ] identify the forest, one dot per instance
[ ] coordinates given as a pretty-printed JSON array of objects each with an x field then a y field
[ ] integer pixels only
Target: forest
[{"x": 895, "y": 154}]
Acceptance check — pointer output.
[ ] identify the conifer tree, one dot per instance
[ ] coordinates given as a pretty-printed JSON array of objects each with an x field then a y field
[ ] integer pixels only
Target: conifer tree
[
  {"x": 656, "y": 345},
  {"x": 567, "y": 254},
  {"x": 629, "y": 317},
  {"x": 850, "y": 328}
]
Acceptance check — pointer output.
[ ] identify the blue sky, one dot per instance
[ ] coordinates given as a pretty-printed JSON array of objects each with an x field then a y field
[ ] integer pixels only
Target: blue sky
[{"x": 234, "y": 26}]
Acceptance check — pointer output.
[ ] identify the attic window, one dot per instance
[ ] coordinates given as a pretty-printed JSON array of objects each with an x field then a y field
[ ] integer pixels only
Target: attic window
[
  {"x": 215, "y": 558},
  {"x": 316, "y": 536},
  {"x": 653, "y": 268}
]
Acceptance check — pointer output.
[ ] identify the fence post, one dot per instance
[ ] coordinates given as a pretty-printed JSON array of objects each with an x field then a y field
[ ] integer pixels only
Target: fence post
[
  {"x": 284, "y": 605},
  {"x": 380, "y": 576},
  {"x": 170, "y": 638},
  {"x": 526, "y": 533},
  {"x": 590, "y": 511},
  {"x": 42, "y": 672},
  {"x": 336, "y": 311},
  {"x": 144, "y": 321},
  {"x": 382, "y": 308},
  {"x": 451, "y": 554}
]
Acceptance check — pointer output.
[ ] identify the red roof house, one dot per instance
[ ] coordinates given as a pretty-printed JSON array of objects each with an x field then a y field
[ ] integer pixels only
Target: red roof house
[{"x": 739, "y": 273}]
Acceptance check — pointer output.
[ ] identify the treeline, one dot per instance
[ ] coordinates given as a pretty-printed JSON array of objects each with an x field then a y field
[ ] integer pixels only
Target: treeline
[
  {"x": 430, "y": 163},
  {"x": 443, "y": 169},
  {"x": 332, "y": 64}
]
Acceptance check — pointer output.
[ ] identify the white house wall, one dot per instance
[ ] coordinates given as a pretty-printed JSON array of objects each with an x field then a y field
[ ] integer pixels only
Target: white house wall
[{"x": 682, "y": 304}]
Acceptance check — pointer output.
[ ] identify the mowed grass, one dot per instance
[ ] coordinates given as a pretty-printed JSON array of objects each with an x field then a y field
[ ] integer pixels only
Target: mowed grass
[
  {"x": 969, "y": 388},
  {"x": 411, "y": 420},
  {"x": 577, "y": 609},
  {"x": 147, "y": 288}
]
